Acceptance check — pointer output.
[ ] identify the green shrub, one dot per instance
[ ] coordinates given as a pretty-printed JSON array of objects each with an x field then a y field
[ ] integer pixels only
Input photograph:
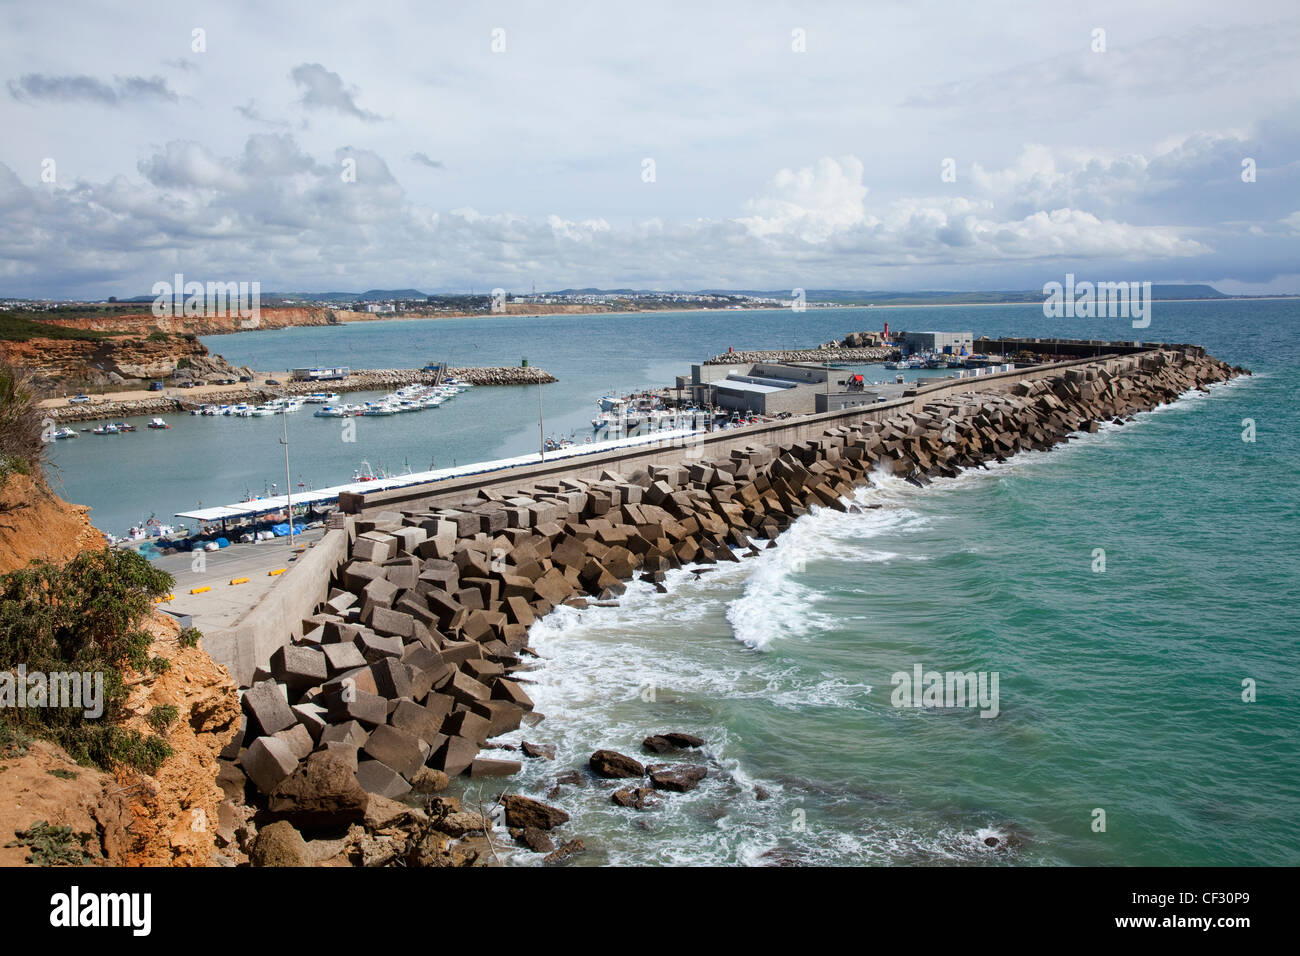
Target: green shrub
[
  {"x": 162, "y": 716},
  {"x": 158, "y": 336},
  {"x": 53, "y": 845},
  {"x": 190, "y": 637},
  {"x": 83, "y": 617},
  {"x": 22, "y": 447}
]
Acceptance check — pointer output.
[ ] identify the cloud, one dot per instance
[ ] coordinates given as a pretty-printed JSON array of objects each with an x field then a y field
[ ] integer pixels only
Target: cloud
[
  {"x": 249, "y": 111},
  {"x": 424, "y": 160},
  {"x": 325, "y": 91},
  {"x": 811, "y": 203},
  {"x": 33, "y": 87}
]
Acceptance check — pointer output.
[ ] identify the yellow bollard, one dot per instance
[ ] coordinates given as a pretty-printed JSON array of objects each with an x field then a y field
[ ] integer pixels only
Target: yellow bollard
[
  {"x": 271, "y": 574},
  {"x": 206, "y": 587},
  {"x": 239, "y": 580}
]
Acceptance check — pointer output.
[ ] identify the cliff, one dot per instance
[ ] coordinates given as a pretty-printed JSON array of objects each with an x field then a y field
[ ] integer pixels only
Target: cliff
[
  {"x": 70, "y": 365},
  {"x": 129, "y": 818}
]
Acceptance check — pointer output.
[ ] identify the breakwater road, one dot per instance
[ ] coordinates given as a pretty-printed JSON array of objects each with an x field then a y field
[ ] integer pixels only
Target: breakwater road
[
  {"x": 862, "y": 356},
  {"x": 418, "y": 656},
  {"x": 224, "y": 603},
  {"x": 120, "y": 405}
]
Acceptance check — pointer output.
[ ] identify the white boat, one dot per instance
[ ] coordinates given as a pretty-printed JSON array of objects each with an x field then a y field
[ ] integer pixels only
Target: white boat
[
  {"x": 158, "y": 423},
  {"x": 334, "y": 411},
  {"x": 65, "y": 432},
  {"x": 108, "y": 428},
  {"x": 322, "y": 398}
]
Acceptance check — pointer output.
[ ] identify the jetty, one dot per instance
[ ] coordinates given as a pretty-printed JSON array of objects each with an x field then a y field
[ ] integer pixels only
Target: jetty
[
  {"x": 175, "y": 400},
  {"x": 396, "y": 648}
]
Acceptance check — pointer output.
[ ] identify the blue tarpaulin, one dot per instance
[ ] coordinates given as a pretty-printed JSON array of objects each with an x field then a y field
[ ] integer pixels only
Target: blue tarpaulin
[{"x": 280, "y": 530}]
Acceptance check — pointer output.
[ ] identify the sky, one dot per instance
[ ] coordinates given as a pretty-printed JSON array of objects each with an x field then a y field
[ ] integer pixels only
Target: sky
[{"x": 340, "y": 146}]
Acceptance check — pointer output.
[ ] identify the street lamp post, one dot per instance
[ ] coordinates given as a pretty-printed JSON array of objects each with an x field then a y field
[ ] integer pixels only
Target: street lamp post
[
  {"x": 541, "y": 432},
  {"x": 284, "y": 440}
]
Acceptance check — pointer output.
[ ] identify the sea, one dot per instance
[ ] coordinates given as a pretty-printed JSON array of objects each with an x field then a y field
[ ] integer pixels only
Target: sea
[{"x": 1134, "y": 592}]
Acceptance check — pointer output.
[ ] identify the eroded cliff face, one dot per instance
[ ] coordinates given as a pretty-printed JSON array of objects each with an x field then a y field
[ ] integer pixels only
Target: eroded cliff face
[
  {"x": 59, "y": 365},
  {"x": 37, "y": 525},
  {"x": 144, "y": 321},
  {"x": 174, "y": 814},
  {"x": 167, "y": 819}
]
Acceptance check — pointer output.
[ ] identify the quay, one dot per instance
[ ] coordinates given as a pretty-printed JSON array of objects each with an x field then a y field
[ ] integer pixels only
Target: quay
[{"x": 173, "y": 400}]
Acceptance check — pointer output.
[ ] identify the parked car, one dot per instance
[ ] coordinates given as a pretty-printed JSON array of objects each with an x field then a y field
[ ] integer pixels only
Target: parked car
[
  {"x": 272, "y": 381},
  {"x": 79, "y": 399},
  {"x": 155, "y": 386},
  {"x": 245, "y": 378}
]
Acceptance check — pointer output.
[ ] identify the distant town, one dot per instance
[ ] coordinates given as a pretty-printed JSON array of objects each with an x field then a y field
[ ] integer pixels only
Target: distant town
[{"x": 414, "y": 303}]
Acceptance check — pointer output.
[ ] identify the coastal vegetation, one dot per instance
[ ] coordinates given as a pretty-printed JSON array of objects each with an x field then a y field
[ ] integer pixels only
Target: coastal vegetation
[
  {"x": 21, "y": 445},
  {"x": 26, "y": 326},
  {"x": 85, "y": 618}
]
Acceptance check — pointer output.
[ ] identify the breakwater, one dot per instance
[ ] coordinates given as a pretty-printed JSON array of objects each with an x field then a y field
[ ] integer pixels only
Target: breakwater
[
  {"x": 417, "y": 658},
  {"x": 369, "y": 380},
  {"x": 842, "y": 356}
]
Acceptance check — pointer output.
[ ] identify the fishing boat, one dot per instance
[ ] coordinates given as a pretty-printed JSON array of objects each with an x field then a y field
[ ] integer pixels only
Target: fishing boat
[
  {"x": 321, "y": 398},
  {"x": 334, "y": 411},
  {"x": 64, "y": 432},
  {"x": 158, "y": 423},
  {"x": 124, "y": 427},
  {"x": 108, "y": 428}
]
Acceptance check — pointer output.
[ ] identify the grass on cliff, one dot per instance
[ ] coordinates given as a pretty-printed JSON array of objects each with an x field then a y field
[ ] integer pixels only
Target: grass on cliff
[
  {"x": 22, "y": 447},
  {"x": 23, "y": 327},
  {"x": 85, "y": 617}
]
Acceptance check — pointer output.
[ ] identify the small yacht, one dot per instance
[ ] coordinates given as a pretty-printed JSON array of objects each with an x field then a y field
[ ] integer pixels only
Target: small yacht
[{"x": 158, "y": 423}]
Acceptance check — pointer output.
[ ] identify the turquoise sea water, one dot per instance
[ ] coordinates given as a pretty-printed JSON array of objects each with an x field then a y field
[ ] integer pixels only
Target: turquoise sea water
[{"x": 1119, "y": 691}]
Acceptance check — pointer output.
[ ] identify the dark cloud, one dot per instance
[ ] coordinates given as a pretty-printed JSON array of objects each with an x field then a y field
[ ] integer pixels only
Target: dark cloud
[
  {"x": 33, "y": 87},
  {"x": 324, "y": 90}
]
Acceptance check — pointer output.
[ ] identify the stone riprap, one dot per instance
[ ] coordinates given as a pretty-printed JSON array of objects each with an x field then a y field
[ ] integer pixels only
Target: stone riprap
[{"x": 853, "y": 356}]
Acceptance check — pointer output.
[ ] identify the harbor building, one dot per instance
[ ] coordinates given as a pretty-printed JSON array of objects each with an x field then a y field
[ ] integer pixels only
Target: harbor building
[
  {"x": 338, "y": 374},
  {"x": 941, "y": 343}
]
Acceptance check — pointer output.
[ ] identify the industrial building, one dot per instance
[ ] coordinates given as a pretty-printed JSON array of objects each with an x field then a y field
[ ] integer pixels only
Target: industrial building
[
  {"x": 942, "y": 343},
  {"x": 772, "y": 388}
]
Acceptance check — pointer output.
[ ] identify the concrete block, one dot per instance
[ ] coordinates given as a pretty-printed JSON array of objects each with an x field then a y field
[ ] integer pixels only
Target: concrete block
[
  {"x": 268, "y": 761},
  {"x": 267, "y": 706},
  {"x": 379, "y": 778}
]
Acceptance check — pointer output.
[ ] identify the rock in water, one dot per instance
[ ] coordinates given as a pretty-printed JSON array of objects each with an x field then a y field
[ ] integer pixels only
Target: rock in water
[
  {"x": 678, "y": 778},
  {"x": 526, "y": 812},
  {"x": 565, "y": 851},
  {"x": 535, "y": 840},
  {"x": 614, "y": 765}
]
